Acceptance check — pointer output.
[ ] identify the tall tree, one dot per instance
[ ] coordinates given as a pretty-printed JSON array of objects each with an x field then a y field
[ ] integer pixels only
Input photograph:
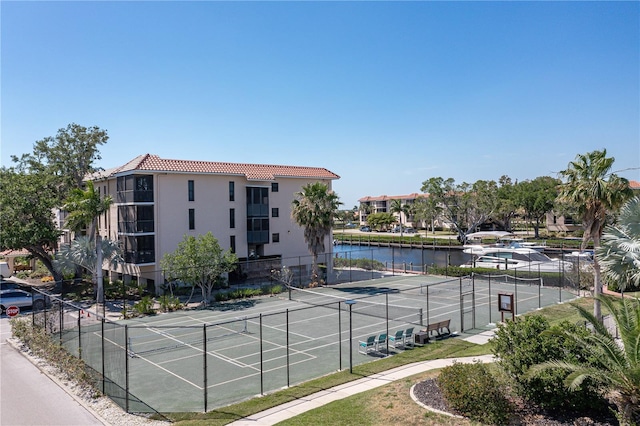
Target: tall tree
[
  {"x": 506, "y": 202},
  {"x": 313, "y": 210},
  {"x": 199, "y": 261},
  {"x": 402, "y": 209},
  {"x": 596, "y": 193},
  {"x": 84, "y": 207},
  {"x": 464, "y": 206},
  {"x": 619, "y": 254},
  {"x": 614, "y": 366},
  {"x": 537, "y": 198},
  {"x": 428, "y": 210},
  {"x": 39, "y": 183},
  {"x": 27, "y": 201},
  {"x": 69, "y": 156}
]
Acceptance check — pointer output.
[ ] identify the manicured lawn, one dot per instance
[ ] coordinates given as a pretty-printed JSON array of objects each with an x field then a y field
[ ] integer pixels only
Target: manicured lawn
[{"x": 386, "y": 405}]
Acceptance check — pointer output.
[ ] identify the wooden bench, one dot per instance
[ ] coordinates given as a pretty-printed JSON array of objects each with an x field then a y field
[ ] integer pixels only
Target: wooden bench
[{"x": 438, "y": 327}]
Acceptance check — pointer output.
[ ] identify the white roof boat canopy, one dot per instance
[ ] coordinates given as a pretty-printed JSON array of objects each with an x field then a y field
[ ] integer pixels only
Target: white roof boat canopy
[{"x": 490, "y": 234}]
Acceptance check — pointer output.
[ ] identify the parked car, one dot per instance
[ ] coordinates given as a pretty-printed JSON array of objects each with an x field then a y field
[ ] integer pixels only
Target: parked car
[
  {"x": 21, "y": 299},
  {"x": 11, "y": 285},
  {"x": 365, "y": 229},
  {"x": 410, "y": 230}
]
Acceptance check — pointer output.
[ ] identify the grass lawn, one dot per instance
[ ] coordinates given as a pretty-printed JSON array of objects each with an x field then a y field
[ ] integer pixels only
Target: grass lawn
[{"x": 384, "y": 405}]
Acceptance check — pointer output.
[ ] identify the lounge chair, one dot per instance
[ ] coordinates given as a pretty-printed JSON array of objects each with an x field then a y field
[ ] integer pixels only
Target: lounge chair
[
  {"x": 368, "y": 345},
  {"x": 381, "y": 340},
  {"x": 397, "y": 339},
  {"x": 408, "y": 337}
]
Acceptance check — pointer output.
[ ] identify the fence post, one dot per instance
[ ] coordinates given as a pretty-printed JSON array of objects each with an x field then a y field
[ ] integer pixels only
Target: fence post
[
  {"x": 204, "y": 363},
  {"x": 339, "y": 335},
  {"x": 473, "y": 299},
  {"x": 490, "y": 319},
  {"x": 126, "y": 368},
  {"x": 287, "y": 319},
  {"x": 61, "y": 319},
  {"x": 102, "y": 350},
  {"x": 386, "y": 304},
  {"x": 80, "y": 334},
  {"x": 461, "y": 306},
  {"x": 261, "y": 360}
]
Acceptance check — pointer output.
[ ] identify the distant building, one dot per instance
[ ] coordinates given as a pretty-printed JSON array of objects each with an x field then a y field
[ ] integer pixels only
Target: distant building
[
  {"x": 382, "y": 204},
  {"x": 247, "y": 207},
  {"x": 560, "y": 223}
]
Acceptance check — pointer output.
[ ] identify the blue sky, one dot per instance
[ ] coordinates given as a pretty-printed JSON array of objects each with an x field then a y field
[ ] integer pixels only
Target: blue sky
[{"x": 385, "y": 94}]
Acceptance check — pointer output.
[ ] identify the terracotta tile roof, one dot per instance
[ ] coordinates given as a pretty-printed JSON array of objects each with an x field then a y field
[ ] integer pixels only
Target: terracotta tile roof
[
  {"x": 412, "y": 196},
  {"x": 153, "y": 163},
  {"x": 634, "y": 184}
]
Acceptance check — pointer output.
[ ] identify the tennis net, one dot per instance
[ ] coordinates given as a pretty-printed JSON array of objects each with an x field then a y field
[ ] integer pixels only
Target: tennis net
[
  {"x": 157, "y": 340},
  {"x": 378, "y": 309}
]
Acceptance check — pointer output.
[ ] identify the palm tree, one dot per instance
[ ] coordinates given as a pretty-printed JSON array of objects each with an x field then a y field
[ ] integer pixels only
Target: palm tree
[
  {"x": 313, "y": 210},
  {"x": 82, "y": 252},
  {"x": 619, "y": 254},
  {"x": 596, "y": 192},
  {"x": 400, "y": 209},
  {"x": 84, "y": 207},
  {"x": 613, "y": 365}
]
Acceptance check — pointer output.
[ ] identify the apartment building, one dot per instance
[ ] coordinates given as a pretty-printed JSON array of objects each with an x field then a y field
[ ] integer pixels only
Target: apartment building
[
  {"x": 382, "y": 204},
  {"x": 247, "y": 207}
]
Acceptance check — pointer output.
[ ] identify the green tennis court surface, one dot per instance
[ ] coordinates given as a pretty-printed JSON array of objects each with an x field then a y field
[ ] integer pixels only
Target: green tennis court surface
[{"x": 197, "y": 359}]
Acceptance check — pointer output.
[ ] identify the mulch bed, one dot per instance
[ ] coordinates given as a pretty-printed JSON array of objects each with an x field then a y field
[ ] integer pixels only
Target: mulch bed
[{"x": 428, "y": 393}]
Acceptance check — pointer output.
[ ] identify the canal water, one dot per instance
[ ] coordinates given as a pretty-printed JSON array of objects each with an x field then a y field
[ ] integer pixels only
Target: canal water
[{"x": 396, "y": 256}]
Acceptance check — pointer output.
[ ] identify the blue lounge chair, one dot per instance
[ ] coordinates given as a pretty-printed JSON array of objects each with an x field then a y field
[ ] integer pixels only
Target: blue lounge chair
[
  {"x": 368, "y": 345},
  {"x": 381, "y": 341},
  {"x": 408, "y": 337},
  {"x": 397, "y": 339}
]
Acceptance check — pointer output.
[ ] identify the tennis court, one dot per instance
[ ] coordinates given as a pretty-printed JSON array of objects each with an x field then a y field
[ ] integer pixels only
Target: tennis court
[{"x": 198, "y": 360}]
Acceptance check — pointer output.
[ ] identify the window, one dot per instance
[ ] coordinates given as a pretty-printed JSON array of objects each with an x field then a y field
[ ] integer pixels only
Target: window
[
  {"x": 192, "y": 218},
  {"x": 275, "y": 238},
  {"x": 274, "y": 186},
  {"x": 275, "y": 212},
  {"x": 232, "y": 218},
  {"x": 232, "y": 243},
  {"x": 232, "y": 191},
  {"x": 191, "y": 189}
]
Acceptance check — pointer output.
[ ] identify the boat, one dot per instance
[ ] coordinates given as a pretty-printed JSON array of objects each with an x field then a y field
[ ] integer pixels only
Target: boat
[
  {"x": 514, "y": 242},
  {"x": 513, "y": 258}
]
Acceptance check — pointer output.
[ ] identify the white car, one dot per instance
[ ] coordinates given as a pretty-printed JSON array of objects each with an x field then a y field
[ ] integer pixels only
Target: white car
[{"x": 21, "y": 299}]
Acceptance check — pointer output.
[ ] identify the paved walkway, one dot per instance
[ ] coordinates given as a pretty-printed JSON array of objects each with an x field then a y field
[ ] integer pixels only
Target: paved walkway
[{"x": 291, "y": 409}]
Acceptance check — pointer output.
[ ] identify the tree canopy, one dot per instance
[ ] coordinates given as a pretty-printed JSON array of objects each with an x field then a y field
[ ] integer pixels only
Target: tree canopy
[
  {"x": 69, "y": 156},
  {"x": 39, "y": 182},
  {"x": 199, "y": 261},
  {"x": 26, "y": 215}
]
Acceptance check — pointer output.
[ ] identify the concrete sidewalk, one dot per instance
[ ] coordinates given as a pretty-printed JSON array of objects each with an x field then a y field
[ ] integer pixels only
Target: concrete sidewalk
[{"x": 291, "y": 409}]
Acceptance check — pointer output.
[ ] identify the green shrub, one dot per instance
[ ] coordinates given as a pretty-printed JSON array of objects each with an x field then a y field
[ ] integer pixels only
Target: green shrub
[
  {"x": 530, "y": 340},
  {"x": 271, "y": 289},
  {"x": 144, "y": 306},
  {"x": 474, "y": 392},
  {"x": 222, "y": 296},
  {"x": 169, "y": 303}
]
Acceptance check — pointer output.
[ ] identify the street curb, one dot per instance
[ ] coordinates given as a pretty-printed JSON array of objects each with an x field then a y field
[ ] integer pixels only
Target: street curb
[{"x": 13, "y": 343}]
